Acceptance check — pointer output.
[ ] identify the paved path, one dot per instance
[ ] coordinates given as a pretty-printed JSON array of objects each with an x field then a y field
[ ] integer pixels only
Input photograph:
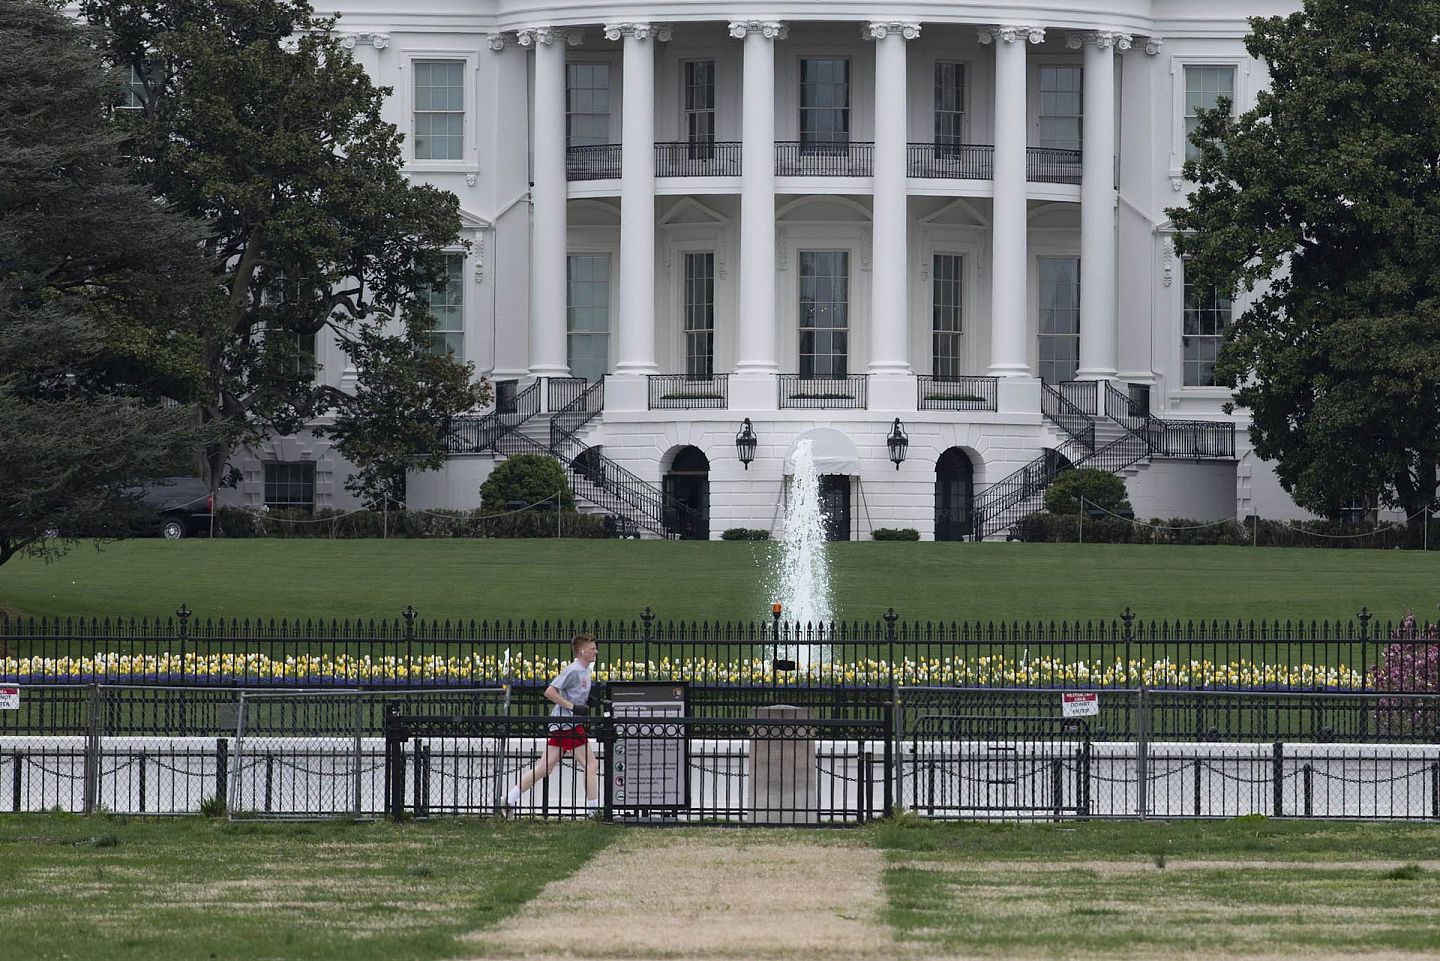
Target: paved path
[{"x": 718, "y": 895}]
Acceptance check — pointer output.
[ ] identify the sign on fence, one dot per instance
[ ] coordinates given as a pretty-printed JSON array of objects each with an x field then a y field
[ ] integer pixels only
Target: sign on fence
[
  {"x": 1085, "y": 704},
  {"x": 9, "y": 698},
  {"x": 652, "y": 761}
]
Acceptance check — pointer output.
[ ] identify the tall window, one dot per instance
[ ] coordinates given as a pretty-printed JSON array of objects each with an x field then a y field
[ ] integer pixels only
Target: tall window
[
  {"x": 290, "y": 486},
  {"x": 947, "y": 326},
  {"x": 587, "y": 314},
  {"x": 1207, "y": 312},
  {"x": 1059, "y": 347},
  {"x": 824, "y": 312},
  {"x": 700, "y": 101},
  {"x": 587, "y": 104},
  {"x": 439, "y": 109},
  {"x": 949, "y": 103},
  {"x": 284, "y": 303},
  {"x": 700, "y": 315},
  {"x": 132, "y": 94},
  {"x": 1204, "y": 86},
  {"x": 447, "y": 308},
  {"x": 1060, "y": 110},
  {"x": 824, "y": 104}
]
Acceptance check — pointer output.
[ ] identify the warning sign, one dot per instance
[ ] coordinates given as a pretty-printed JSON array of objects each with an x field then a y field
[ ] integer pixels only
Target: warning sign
[
  {"x": 9, "y": 698},
  {"x": 1080, "y": 705}
]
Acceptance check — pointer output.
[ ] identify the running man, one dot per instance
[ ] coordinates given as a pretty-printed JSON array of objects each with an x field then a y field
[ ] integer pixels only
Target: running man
[{"x": 570, "y": 695}]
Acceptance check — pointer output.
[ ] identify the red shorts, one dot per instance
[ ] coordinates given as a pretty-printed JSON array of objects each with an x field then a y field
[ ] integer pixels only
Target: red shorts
[{"x": 569, "y": 739}]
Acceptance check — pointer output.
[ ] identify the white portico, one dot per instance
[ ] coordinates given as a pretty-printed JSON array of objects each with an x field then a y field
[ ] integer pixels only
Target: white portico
[{"x": 686, "y": 216}]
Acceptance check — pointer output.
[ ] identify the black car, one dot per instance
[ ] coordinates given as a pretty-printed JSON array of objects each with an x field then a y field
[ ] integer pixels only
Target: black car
[{"x": 182, "y": 507}]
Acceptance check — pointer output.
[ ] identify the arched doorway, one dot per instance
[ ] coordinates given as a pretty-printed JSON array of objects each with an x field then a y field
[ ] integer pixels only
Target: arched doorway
[
  {"x": 837, "y": 462},
  {"x": 954, "y": 495},
  {"x": 687, "y": 483}
]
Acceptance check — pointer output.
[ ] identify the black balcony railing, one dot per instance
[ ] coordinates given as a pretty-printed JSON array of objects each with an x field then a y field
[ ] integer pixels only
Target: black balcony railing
[
  {"x": 1052, "y": 165},
  {"x": 684, "y": 392},
  {"x": 950, "y": 161},
  {"x": 800, "y": 392},
  {"x": 697, "y": 159},
  {"x": 956, "y": 392},
  {"x": 560, "y": 392},
  {"x": 797, "y": 158},
  {"x": 597, "y": 162}
]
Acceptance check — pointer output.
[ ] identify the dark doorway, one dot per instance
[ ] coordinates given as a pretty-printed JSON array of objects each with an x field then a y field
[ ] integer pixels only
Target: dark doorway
[
  {"x": 687, "y": 486},
  {"x": 835, "y": 504},
  {"x": 954, "y": 495}
]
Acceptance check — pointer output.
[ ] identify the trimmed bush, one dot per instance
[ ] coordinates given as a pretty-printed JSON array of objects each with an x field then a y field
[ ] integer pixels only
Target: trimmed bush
[
  {"x": 744, "y": 534},
  {"x": 895, "y": 534},
  {"x": 1099, "y": 487},
  {"x": 527, "y": 478},
  {"x": 235, "y": 522}
]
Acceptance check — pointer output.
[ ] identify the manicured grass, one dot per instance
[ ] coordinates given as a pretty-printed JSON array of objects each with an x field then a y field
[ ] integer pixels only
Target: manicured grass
[
  {"x": 1247, "y": 886},
  {"x": 155, "y": 890},
  {"x": 686, "y": 579}
]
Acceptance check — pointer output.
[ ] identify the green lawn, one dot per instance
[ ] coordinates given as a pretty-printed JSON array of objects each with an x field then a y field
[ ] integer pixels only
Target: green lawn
[
  {"x": 166, "y": 889},
  {"x": 1196, "y": 889},
  {"x": 687, "y": 579},
  {"x": 187, "y": 888}
]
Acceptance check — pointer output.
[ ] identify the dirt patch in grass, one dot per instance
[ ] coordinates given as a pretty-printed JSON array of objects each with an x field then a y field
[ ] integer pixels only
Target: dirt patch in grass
[{"x": 713, "y": 896}]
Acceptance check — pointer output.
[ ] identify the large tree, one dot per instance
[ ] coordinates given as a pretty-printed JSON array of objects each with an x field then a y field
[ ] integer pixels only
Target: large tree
[
  {"x": 253, "y": 116},
  {"x": 1323, "y": 201},
  {"x": 101, "y": 287}
]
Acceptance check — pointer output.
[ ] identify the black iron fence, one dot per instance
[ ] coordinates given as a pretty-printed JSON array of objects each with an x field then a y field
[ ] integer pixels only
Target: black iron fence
[
  {"x": 798, "y": 158},
  {"x": 702, "y": 159},
  {"x": 687, "y": 392},
  {"x": 956, "y": 392},
  {"x": 799, "y": 391},
  {"x": 414, "y": 652},
  {"x": 561, "y": 392},
  {"x": 726, "y": 756},
  {"x": 597, "y": 162}
]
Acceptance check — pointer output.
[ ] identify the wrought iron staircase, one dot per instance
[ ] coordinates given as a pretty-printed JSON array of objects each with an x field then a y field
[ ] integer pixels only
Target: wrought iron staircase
[
  {"x": 1007, "y": 501},
  {"x": 594, "y": 477}
]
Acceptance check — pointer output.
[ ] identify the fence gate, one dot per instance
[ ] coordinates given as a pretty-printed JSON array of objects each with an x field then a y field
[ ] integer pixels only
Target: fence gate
[{"x": 962, "y": 757}]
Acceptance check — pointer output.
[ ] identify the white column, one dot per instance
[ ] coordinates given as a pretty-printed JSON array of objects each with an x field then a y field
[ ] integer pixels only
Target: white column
[
  {"x": 755, "y": 348},
  {"x": 1099, "y": 309},
  {"x": 889, "y": 303},
  {"x": 548, "y": 354},
  {"x": 1009, "y": 354},
  {"x": 636, "y": 343}
]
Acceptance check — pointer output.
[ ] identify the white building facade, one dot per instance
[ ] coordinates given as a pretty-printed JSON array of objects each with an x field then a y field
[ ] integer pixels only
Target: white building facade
[{"x": 686, "y": 221}]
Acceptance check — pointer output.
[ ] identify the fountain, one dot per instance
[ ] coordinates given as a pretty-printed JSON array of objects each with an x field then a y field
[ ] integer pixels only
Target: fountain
[{"x": 802, "y": 574}]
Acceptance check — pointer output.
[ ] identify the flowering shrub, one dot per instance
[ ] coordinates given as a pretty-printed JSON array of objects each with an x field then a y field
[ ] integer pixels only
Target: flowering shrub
[
  {"x": 1410, "y": 663},
  {"x": 958, "y": 671}
]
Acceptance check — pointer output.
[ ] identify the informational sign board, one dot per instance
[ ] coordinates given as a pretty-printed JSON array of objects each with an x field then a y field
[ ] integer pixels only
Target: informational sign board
[
  {"x": 9, "y": 698},
  {"x": 1084, "y": 704},
  {"x": 651, "y": 768}
]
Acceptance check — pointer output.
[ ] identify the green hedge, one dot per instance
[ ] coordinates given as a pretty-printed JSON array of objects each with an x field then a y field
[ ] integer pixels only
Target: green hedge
[
  {"x": 744, "y": 534},
  {"x": 1052, "y": 528},
  {"x": 236, "y": 522},
  {"x": 895, "y": 534}
]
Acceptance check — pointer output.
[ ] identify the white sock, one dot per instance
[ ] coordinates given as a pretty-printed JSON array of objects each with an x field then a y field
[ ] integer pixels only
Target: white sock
[
  {"x": 591, "y": 803},
  {"x": 513, "y": 798}
]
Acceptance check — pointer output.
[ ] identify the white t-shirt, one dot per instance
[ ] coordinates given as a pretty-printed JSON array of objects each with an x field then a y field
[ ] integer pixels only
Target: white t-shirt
[{"x": 573, "y": 683}]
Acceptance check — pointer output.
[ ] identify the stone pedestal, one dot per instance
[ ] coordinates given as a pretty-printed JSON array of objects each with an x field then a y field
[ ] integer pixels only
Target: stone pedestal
[{"x": 782, "y": 781}]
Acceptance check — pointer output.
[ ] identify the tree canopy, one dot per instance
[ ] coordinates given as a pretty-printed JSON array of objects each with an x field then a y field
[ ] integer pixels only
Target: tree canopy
[
  {"x": 101, "y": 291},
  {"x": 1322, "y": 203},
  {"x": 254, "y": 117}
]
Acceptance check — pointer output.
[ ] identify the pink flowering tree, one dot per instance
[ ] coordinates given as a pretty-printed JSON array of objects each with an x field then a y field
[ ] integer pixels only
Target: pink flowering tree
[{"x": 1410, "y": 664}]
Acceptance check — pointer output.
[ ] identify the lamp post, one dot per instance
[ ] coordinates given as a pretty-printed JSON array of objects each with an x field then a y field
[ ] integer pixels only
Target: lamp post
[
  {"x": 745, "y": 442},
  {"x": 898, "y": 442}
]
